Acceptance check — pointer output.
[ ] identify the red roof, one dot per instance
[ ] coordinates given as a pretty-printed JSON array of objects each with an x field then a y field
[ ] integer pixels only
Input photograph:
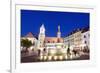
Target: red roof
[
  {"x": 29, "y": 35},
  {"x": 53, "y": 40}
]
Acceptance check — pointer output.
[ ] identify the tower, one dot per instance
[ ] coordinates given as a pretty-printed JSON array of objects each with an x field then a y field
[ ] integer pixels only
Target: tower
[
  {"x": 41, "y": 37},
  {"x": 59, "y": 33}
]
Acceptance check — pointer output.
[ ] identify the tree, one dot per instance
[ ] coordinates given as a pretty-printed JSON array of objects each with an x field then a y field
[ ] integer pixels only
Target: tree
[{"x": 26, "y": 43}]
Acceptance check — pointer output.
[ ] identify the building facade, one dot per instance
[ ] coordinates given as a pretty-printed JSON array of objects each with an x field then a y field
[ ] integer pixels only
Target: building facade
[
  {"x": 86, "y": 39},
  {"x": 49, "y": 43},
  {"x": 78, "y": 40},
  {"x": 31, "y": 38}
]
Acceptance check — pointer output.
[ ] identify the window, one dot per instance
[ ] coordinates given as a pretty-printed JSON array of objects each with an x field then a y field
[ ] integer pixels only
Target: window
[
  {"x": 84, "y": 36},
  {"x": 48, "y": 41},
  {"x": 85, "y": 42},
  {"x": 89, "y": 35}
]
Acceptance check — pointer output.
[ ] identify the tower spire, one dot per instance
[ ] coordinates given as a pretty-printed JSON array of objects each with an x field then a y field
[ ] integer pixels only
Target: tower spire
[
  {"x": 59, "y": 33},
  {"x": 58, "y": 28},
  {"x": 42, "y": 29}
]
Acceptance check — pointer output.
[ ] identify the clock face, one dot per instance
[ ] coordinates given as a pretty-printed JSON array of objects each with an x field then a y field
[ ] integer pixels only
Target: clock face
[{"x": 42, "y": 30}]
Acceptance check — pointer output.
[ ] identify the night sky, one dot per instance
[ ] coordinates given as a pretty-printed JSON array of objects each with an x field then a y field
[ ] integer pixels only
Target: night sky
[{"x": 31, "y": 20}]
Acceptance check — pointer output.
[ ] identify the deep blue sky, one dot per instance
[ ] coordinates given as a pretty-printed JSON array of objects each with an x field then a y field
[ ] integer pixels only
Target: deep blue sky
[{"x": 31, "y": 20}]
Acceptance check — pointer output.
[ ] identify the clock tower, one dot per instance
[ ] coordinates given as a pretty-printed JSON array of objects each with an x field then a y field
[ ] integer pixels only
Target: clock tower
[{"x": 41, "y": 37}]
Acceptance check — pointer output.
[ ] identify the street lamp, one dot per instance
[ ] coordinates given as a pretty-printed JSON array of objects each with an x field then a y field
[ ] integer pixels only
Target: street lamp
[
  {"x": 45, "y": 57},
  {"x": 61, "y": 57},
  {"x": 55, "y": 57},
  {"x": 50, "y": 57},
  {"x": 41, "y": 57}
]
